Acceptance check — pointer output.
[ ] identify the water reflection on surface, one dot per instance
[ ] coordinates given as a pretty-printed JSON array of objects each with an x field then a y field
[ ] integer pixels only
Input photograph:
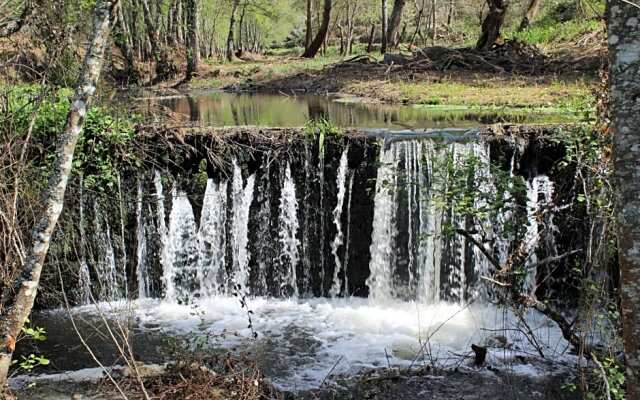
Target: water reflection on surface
[{"x": 230, "y": 109}]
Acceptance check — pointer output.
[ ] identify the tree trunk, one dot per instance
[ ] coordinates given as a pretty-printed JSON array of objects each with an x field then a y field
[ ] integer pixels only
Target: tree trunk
[
  {"x": 371, "y": 35},
  {"x": 624, "y": 54},
  {"x": 19, "y": 306},
  {"x": 322, "y": 32},
  {"x": 530, "y": 14},
  {"x": 125, "y": 44},
  {"x": 450, "y": 13},
  {"x": 309, "y": 32},
  {"x": 193, "y": 46},
  {"x": 394, "y": 22},
  {"x": 241, "y": 39},
  {"x": 164, "y": 68},
  {"x": 492, "y": 24},
  {"x": 385, "y": 20},
  {"x": 232, "y": 23}
]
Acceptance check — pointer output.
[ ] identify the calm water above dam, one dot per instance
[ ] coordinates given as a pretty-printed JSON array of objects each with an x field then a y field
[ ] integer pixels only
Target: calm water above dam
[{"x": 231, "y": 109}]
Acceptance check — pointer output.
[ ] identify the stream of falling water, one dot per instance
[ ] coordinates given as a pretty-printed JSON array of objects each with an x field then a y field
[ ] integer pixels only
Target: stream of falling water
[
  {"x": 242, "y": 199},
  {"x": 141, "y": 249},
  {"x": 213, "y": 220},
  {"x": 337, "y": 220},
  {"x": 288, "y": 229}
]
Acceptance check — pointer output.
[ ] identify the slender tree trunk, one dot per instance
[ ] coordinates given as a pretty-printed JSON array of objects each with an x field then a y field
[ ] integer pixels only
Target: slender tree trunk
[
  {"x": 193, "y": 46},
  {"x": 394, "y": 22},
  {"x": 322, "y": 32},
  {"x": 164, "y": 68},
  {"x": 232, "y": 23},
  {"x": 624, "y": 54},
  {"x": 450, "y": 13},
  {"x": 125, "y": 44},
  {"x": 434, "y": 21},
  {"x": 492, "y": 24},
  {"x": 309, "y": 31},
  {"x": 16, "y": 311},
  {"x": 385, "y": 20},
  {"x": 419, "y": 15},
  {"x": 241, "y": 39},
  {"x": 372, "y": 33},
  {"x": 530, "y": 14}
]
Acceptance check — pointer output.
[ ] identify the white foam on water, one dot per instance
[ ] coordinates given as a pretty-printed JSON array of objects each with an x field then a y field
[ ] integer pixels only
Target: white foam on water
[{"x": 309, "y": 336}]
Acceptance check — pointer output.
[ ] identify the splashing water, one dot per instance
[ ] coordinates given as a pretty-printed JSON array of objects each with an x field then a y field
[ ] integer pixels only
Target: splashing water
[{"x": 181, "y": 269}]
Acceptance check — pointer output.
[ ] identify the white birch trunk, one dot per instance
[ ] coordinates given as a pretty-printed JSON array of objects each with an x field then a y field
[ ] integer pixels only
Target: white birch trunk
[
  {"x": 25, "y": 288},
  {"x": 624, "y": 53}
]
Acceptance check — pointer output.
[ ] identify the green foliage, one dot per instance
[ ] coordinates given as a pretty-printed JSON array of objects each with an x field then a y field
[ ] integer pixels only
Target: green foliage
[
  {"x": 547, "y": 31},
  {"x": 104, "y": 146},
  {"x": 322, "y": 127},
  {"x": 32, "y": 361}
]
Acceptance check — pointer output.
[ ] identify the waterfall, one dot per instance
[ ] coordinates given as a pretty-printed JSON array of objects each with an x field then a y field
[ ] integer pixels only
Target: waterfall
[
  {"x": 346, "y": 249},
  {"x": 322, "y": 227},
  {"x": 106, "y": 259},
  {"x": 180, "y": 269},
  {"x": 288, "y": 228},
  {"x": 212, "y": 239},
  {"x": 161, "y": 227},
  {"x": 341, "y": 182},
  {"x": 242, "y": 199},
  {"x": 539, "y": 197},
  {"x": 84, "y": 277},
  {"x": 264, "y": 255},
  {"x": 485, "y": 195},
  {"x": 123, "y": 247},
  {"x": 141, "y": 250},
  {"x": 384, "y": 229},
  {"x": 430, "y": 229}
]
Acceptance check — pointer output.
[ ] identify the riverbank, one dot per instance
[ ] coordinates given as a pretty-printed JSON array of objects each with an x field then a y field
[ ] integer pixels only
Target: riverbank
[
  {"x": 374, "y": 81},
  {"x": 171, "y": 383}
]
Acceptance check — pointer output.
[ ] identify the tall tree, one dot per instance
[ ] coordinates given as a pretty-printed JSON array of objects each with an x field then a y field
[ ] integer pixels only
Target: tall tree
[
  {"x": 394, "y": 22},
  {"x": 492, "y": 24},
  {"x": 624, "y": 55},
  {"x": 193, "y": 46},
  {"x": 164, "y": 67},
  {"x": 385, "y": 21},
  {"x": 530, "y": 14},
  {"x": 232, "y": 26},
  {"x": 18, "y": 302},
  {"x": 312, "y": 50},
  {"x": 308, "y": 38}
]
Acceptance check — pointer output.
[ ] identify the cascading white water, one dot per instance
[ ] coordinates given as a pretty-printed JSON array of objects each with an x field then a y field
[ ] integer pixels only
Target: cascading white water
[
  {"x": 485, "y": 194},
  {"x": 84, "y": 276},
  {"x": 348, "y": 238},
  {"x": 161, "y": 227},
  {"x": 141, "y": 250},
  {"x": 539, "y": 197},
  {"x": 181, "y": 267},
  {"x": 430, "y": 220},
  {"x": 107, "y": 261},
  {"x": 380, "y": 281},
  {"x": 288, "y": 229},
  {"x": 341, "y": 182},
  {"x": 212, "y": 239},
  {"x": 242, "y": 199},
  {"x": 122, "y": 276}
]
